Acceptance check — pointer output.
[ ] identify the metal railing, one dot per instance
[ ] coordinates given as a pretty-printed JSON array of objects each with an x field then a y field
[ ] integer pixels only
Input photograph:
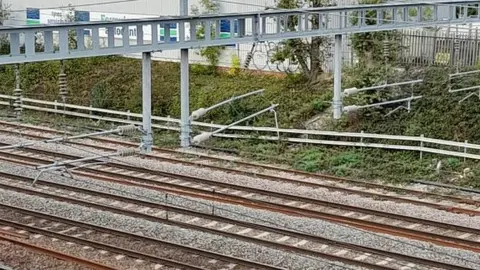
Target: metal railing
[{"x": 420, "y": 143}]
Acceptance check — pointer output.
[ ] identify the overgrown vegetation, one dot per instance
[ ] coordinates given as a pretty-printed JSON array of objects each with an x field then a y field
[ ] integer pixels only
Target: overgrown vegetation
[
  {"x": 309, "y": 53},
  {"x": 4, "y": 11},
  {"x": 4, "y": 14},
  {"x": 114, "y": 83},
  {"x": 212, "y": 54},
  {"x": 367, "y": 163},
  {"x": 377, "y": 47}
]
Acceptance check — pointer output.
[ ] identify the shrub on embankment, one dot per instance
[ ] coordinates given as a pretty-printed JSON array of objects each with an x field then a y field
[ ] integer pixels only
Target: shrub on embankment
[
  {"x": 115, "y": 83},
  {"x": 437, "y": 115}
]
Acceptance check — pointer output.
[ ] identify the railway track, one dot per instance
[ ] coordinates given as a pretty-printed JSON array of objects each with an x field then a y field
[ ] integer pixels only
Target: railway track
[
  {"x": 120, "y": 243},
  {"x": 269, "y": 236},
  {"x": 52, "y": 253},
  {"x": 420, "y": 229},
  {"x": 450, "y": 203}
]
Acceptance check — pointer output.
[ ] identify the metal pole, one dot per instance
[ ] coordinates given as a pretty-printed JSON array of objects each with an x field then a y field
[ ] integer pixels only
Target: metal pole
[
  {"x": 245, "y": 119},
  {"x": 235, "y": 98},
  {"x": 120, "y": 153},
  {"x": 202, "y": 111},
  {"x": 337, "y": 79},
  {"x": 184, "y": 87},
  {"x": 147, "y": 138},
  {"x": 206, "y": 135},
  {"x": 120, "y": 130}
]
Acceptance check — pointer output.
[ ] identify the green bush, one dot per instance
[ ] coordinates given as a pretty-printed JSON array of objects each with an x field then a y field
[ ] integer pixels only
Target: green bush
[
  {"x": 115, "y": 83},
  {"x": 310, "y": 160}
]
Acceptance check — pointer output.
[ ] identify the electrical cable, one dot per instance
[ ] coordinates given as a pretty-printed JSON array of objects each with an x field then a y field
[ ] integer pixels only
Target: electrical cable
[{"x": 82, "y": 5}]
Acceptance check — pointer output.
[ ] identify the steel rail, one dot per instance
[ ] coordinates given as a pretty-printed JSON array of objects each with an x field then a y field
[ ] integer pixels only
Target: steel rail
[
  {"x": 369, "y": 225},
  {"x": 125, "y": 234},
  {"x": 98, "y": 245},
  {"x": 57, "y": 254},
  {"x": 12, "y": 234},
  {"x": 290, "y": 180},
  {"x": 194, "y": 227},
  {"x": 251, "y": 190},
  {"x": 287, "y": 232}
]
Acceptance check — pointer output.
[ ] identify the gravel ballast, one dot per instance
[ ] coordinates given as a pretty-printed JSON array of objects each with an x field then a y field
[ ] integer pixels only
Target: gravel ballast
[
  {"x": 263, "y": 184},
  {"x": 20, "y": 258},
  {"x": 169, "y": 233},
  {"x": 317, "y": 227}
]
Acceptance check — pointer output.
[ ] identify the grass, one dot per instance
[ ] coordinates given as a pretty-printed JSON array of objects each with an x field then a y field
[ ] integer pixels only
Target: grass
[{"x": 359, "y": 163}]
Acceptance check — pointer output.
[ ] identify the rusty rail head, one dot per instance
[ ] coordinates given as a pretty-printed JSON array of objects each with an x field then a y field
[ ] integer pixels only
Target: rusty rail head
[
  {"x": 368, "y": 225},
  {"x": 264, "y": 207},
  {"x": 13, "y": 234},
  {"x": 57, "y": 254},
  {"x": 275, "y": 178},
  {"x": 452, "y": 209}
]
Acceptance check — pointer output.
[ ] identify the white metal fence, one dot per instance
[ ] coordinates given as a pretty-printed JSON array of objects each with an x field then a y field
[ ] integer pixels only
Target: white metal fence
[{"x": 420, "y": 143}]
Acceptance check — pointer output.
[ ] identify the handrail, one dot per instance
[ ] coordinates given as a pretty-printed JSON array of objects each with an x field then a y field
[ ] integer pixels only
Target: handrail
[{"x": 58, "y": 108}]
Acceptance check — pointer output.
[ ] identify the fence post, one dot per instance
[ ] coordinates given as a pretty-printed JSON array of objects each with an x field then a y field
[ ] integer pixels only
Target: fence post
[
  {"x": 465, "y": 151},
  {"x": 434, "y": 51},
  {"x": 361, "y": 140},
  {"x": 168, "y": 121},
  {"x": 17, "y": 93},
  {"x": 128, "y": 116},
  {"x": 421, "y": 146},
  {"x": 55, "y": 106}
]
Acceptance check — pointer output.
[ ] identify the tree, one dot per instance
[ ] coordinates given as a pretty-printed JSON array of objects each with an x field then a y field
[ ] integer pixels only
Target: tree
[
  {"x": 374, "y": 48},
  {"x": 309, "y": 53},
  {"x": 212, "y": 54},
  {"x": 4, "y": 14},
  {"x": 4, "y": 11}
]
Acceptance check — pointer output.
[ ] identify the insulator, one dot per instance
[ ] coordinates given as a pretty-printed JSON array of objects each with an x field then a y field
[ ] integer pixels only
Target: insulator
[
  {"x": 127, "y": 152},
  {"x": 62, "y": 83},
  {"x": 248, "y": 60},
  {"x": 125, "y": 130},
  {"x": 386, "y": 48},
  {"x": 201, "y": 137},
  {"x": 17, "y": 104}
]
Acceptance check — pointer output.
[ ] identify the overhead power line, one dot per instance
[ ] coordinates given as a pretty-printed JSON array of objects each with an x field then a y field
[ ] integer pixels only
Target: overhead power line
[{"x": 84, "y": 5}]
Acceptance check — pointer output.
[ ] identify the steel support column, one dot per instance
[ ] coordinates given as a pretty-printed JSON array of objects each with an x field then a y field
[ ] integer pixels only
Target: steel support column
[
  {"x": 147, "y": 138},
  {"x": 337, "y": 78},
  {"x": 184, "y": 88}
]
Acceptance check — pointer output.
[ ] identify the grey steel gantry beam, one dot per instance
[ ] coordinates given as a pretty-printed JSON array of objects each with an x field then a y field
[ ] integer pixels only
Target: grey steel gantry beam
[
  {"x": 250, "y": 27},
  {"x": 184, "y": 85}
]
